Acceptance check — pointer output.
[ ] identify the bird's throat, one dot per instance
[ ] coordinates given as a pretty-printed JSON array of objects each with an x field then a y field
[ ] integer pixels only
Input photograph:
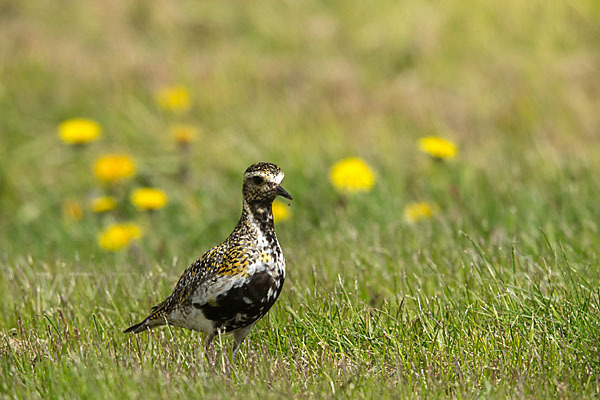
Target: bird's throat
[{"x": 259, "y": 215}]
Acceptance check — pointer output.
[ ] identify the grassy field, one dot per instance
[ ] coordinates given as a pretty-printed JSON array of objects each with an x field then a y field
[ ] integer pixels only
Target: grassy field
[{"x": 495, "y": 296}]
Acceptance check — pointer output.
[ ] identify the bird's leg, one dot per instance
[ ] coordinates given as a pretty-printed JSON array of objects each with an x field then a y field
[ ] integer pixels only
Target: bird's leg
[
  {"x": 209, "y": 340},
  {"x": 238, "y": 337},
  {"x": 208, "y": 346}
]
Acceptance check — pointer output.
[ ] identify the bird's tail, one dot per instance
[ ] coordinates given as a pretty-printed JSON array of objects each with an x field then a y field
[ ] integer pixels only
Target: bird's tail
[
  {"x": 156, "y": 318},
  {"x": 137, "y": 328},
  {"x": 144, "y": 325}
]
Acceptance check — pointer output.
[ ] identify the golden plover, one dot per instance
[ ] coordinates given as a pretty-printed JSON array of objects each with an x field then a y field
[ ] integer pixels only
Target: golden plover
[{"x": 233, "y": 284}]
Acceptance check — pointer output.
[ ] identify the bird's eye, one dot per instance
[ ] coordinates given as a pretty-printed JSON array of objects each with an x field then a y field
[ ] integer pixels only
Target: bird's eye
[{"x": 257, "y": 180}]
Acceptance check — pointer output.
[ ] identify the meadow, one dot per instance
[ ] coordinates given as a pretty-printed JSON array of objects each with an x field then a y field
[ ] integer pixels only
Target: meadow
[{"x": 471, "y": 275}]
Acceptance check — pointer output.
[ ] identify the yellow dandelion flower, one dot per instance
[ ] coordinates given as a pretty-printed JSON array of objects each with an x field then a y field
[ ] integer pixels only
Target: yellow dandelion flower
[
  {"x": 114, "y": 167},
  {"x": 183, "y": 134},
  {"x": 352, "y": 175},
  {"x": 148, "y": 198},
  {"x": 174, "y": 98},
  {"x": 118, "y": 236},
  {"x": 281, "y": 212},
  {"x": 103, "y": 204},
  {"x": 438, "y": 147},
  {"x": 79, "y": 131},
  {"x": 72, "y": 209},
  {"x": 414, "y": 212}
]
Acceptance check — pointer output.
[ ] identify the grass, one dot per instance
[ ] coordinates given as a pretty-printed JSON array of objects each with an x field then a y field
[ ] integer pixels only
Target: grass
[{"x": 496, "y": 296}]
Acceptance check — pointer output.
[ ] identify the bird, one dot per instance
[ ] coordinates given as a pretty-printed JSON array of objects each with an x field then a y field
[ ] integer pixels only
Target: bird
[{"x": 234, "y": 284}]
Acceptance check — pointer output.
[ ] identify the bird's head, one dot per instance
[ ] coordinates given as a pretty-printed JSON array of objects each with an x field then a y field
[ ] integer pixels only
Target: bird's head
[{"x": 262, "y": 183}]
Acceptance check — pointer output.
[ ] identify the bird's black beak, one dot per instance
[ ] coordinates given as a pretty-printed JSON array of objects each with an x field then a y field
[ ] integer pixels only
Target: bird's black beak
[{"x": 282, "y": 192}]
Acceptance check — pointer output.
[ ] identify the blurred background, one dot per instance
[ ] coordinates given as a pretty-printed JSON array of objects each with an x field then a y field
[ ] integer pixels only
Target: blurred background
[
  {"x": 515, "y": 85},
  {"x": 443, "y": 157}
]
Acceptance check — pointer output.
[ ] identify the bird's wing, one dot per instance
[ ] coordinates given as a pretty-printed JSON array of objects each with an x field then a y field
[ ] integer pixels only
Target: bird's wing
[
  {"x": 230, "y": 270},
  {"x": 195, "y": 275},
  {"x": 218, "y": 270}
]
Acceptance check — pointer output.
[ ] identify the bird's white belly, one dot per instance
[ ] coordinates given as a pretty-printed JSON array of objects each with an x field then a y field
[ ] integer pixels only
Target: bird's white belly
[{"x": 191, "y": 318}]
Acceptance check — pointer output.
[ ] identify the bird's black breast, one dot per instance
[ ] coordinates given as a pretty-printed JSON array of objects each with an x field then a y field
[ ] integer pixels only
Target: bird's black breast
[{"x": 245, "y": 304}]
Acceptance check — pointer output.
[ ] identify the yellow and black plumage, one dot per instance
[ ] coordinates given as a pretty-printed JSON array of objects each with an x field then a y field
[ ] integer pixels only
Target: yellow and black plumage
[{"x": 235, "y": 283}]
